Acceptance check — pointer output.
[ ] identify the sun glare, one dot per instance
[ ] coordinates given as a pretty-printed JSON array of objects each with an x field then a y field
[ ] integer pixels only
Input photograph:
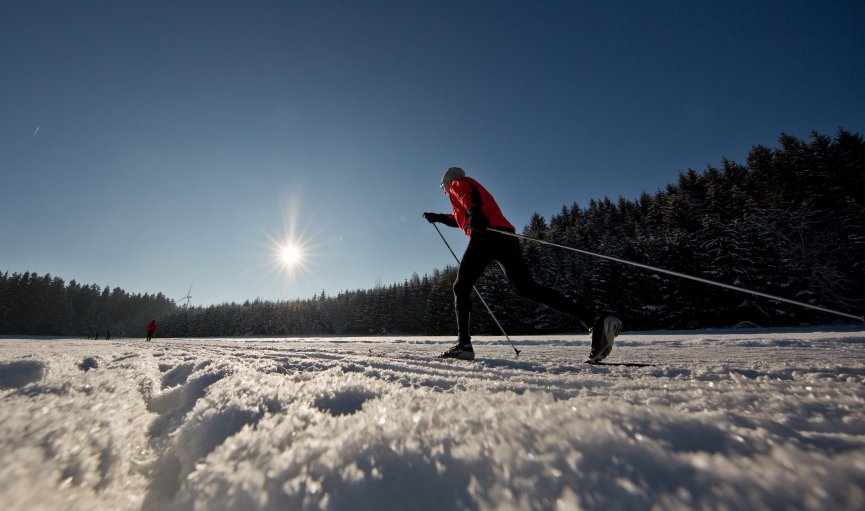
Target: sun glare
[
  {"x": 290, "y": 255},
  {"x": 287, "y": 251}
]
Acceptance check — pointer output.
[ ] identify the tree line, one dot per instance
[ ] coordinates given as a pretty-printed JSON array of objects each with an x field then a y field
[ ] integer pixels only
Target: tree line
[
  {"x": 790, "y": 221},
  {"x": 32, "y": 304}
]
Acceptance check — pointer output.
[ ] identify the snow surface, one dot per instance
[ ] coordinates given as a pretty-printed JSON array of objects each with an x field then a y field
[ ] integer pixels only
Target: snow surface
[{"x": 724, "y": 420}]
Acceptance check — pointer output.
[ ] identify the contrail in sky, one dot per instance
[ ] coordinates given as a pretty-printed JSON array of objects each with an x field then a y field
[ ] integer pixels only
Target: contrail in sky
[{"x": 35, "y": 131}]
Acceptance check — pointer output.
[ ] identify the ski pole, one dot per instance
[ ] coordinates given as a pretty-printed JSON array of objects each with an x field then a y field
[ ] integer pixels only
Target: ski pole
[
  {"x": 478, "y": 293},
  {"x": 685, "y": 276}
]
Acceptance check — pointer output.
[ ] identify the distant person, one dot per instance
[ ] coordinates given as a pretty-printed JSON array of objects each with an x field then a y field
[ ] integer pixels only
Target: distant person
[
  {"x": 108, "y": 335},
  {"x": 477, "y": 214},
  {"x": 151, "y": 330},
  {"x": 96, "y": 336}
]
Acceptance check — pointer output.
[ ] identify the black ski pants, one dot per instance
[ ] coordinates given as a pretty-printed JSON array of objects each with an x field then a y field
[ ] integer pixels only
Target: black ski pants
[{"x": 505, "y": 250}]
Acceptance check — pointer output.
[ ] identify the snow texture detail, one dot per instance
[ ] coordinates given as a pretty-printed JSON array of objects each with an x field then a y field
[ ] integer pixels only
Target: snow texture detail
[{"x": 744, "y": 419}]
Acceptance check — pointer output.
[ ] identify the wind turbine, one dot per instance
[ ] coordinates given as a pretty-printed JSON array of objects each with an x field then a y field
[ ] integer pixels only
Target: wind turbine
[{"x": 188, "y": 296}]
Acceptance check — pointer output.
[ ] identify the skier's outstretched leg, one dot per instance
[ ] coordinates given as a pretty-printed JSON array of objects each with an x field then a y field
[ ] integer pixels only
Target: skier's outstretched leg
[
  {"x": 514, "y": 266},
  {"x": 604, "y": 328}
]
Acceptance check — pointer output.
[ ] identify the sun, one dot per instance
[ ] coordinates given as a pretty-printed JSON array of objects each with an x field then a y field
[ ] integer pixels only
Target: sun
[
  {"x": 290, "y": 255},
  {"x": 287, "y": 252}
]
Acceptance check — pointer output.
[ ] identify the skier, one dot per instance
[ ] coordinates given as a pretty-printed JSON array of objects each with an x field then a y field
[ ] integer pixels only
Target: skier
[
  {"x": 477, "y": 214},
  {"x": 151, "y": 330}
]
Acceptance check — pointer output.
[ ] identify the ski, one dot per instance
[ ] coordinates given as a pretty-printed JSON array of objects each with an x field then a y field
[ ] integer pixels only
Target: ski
[{"x": 621, "y": 364}]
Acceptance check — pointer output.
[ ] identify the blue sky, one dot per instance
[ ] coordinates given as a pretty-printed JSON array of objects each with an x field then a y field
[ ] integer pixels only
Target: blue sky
[{"x": 150, "y": 145}]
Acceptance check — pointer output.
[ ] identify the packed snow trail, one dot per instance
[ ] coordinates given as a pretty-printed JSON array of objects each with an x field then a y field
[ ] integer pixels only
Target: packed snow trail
[{"x": 735, "y": 419}]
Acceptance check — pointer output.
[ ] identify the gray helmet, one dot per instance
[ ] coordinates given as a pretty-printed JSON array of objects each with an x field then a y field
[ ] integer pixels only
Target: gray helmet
[{"x": 451, "y": 174}]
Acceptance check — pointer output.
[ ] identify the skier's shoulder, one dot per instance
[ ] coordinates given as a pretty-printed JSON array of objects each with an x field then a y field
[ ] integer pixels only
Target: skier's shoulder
[{"x": 465, "y": 185}]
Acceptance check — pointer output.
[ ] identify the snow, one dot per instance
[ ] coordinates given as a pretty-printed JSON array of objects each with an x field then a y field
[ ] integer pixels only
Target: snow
[{"x": 739, "y": 419}]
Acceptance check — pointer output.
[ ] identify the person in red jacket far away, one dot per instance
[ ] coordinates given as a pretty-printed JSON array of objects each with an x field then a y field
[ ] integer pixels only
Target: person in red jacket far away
[
  {"x": 151, "y": 329},
  {"x": 478, "y": 215}
]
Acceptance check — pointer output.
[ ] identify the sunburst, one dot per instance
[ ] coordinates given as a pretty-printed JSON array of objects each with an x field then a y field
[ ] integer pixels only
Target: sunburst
[{"x": 291, "y": 255}]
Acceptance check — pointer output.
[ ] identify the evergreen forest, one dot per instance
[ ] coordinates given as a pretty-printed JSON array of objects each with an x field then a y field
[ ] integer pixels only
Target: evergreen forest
[{"x": 789, "y": 221}]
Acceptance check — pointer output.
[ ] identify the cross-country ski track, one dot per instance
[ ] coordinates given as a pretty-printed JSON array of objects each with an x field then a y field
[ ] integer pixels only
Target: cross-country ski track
[{"x": 725, "y": 419}]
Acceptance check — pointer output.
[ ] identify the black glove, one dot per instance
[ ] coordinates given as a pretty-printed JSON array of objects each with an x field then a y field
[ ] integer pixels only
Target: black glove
[
  {"x": 434, "y": 217},
  {"x": 477, "y": 220}
]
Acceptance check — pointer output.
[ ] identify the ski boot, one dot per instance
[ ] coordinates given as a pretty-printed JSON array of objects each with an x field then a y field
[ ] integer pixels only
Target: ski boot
[
  {"x": 461, "y": 350},
  {"x": 604, "y": 333}
]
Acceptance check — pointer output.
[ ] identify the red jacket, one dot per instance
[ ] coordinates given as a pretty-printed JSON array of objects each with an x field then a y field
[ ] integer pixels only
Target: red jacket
[
  {"x": 465, "y": 193},
  {"x": 151, "y": 327}
]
